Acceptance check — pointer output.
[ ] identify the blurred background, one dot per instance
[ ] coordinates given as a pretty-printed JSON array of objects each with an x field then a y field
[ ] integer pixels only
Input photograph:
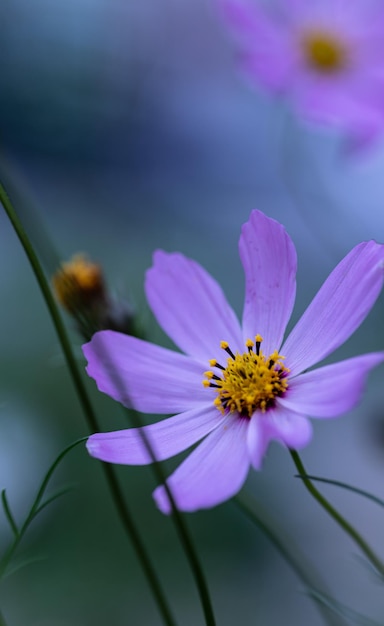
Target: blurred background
[{"x": 126, "y": 127}]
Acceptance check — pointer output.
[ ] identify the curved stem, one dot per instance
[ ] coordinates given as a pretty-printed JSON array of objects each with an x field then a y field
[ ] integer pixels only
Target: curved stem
[
  {"x": 339, "y": 519},
  {"x": 302, "y": 569},
  {"x": 116, "y": 492}
]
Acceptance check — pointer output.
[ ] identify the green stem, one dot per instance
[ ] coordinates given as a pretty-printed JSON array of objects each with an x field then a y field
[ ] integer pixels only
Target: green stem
[
  {"x": 339, "y": 519},
  {"x": 305, "y": 573},
  {"x": 116, "y": 492}
]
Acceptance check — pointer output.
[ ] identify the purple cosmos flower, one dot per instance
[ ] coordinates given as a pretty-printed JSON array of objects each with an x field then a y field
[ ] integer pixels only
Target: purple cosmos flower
[
  {"x": 235, "y": 388},
  {"x": 326, "y": 55}
]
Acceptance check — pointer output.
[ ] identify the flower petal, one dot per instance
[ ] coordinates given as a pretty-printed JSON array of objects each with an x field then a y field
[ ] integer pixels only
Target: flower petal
[
  {"x": 288, "y": 427},
  {"x": 268, "y": 54},
  {"x": 212, "y": 473},
  {"x": 166, "y": 438},
  {"x": 281, "y": 424},
  {"x": 340, "y": 306},
  {"x": 269, "y": 259},
  {"x": 351, "y": 105},
  {"x": 331, "y": 390},
  {"x": 191, "y": 307},
  {"x": 258, "y": 439},
  {"x": 141, "y": 375}
]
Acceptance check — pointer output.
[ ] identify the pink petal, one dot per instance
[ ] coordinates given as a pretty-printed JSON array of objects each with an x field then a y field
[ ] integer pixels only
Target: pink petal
[
  {"x": 345, "y": 104},
  {"x": 212, "y": 473},
  {"x": 269, "y": 259},
  {"x": 323, "y": 13},
  {"x": 268, "y": 54},
  {"x": 280, "y": 424},
  {"x": 331, "y": 390},
  {"x": 241, "y": 16},
  {"x": 141, "y": 375},
  {"x": 288, "y": 427},
  {"x": 340, "y": 306},
  {"x": 166, "y": 438},
  {"x": 191, "y": 307},
  {"x": 258, "y": 439}
]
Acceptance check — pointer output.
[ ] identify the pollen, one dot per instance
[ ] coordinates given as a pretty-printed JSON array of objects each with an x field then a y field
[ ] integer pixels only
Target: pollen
[
  {"x": 324, "y": 52},
  {"x": 248, "y": 382}
]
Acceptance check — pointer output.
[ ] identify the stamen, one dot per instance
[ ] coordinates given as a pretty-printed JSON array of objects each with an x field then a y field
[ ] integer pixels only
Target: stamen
[
  {"x": 249, "y": 343},
  {"x": 225, "y": 346},
  {"x": 214, "y": 363},
  {"x": 250, "y": 382}
]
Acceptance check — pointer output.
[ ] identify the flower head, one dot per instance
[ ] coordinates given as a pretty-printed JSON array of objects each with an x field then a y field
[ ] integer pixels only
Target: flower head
[
  {"x": 327, "y": 56},
  {"x": 236, "y": 388}
]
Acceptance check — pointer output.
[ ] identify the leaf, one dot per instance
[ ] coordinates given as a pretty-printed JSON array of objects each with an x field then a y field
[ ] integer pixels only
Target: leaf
[
  {"x": 57, "y": 494},
  {"x": 8, "y": 514},
  {"x": 340, "y": 609},
  {"x": 338, "y": 483},
  {"x": 15, "y": 567},
  {"x": 289, "y": 552},
  {"x": 377, "y": 576}
]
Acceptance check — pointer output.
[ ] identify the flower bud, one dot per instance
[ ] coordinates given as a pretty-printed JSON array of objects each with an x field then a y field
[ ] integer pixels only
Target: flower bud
[{"x": 80, "y": 288}]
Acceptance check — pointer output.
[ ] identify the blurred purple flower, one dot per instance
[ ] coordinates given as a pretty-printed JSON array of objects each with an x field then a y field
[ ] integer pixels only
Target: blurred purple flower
[
  {"x": 327, "y": 56},
  {"x": 249, "y": 396}
]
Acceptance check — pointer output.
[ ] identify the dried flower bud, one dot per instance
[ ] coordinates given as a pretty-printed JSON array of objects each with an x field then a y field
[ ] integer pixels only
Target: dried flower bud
[
  {"x": 80, "y": 288},
  {"x": 79, "y": 283}
]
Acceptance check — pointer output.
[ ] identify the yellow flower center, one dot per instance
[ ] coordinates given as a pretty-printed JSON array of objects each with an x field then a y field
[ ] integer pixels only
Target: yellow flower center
[
  {"x": 249, "y": 381},
  {"x": 324, "y": 52}
]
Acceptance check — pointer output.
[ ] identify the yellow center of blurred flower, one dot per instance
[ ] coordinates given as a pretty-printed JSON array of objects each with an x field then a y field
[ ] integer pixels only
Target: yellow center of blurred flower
[
  {"x": 324, "y": 52},
  {"x": 78, "y": 282},
  {"x": 249, "y": 381}
]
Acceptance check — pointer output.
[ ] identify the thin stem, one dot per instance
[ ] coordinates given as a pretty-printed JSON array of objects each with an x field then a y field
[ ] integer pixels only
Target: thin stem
[
  {"x": 305, "y": 573},
  {"x": 339, "y": 519},
  {"x": 116, "y": 492}
]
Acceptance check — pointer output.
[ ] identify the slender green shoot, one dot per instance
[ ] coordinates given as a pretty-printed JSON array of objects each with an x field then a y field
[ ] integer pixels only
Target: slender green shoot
[
  {"x": 180, "y": 525},
  {"x": 92, "y": 422},
  {"x": 37, "y": 506}
]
